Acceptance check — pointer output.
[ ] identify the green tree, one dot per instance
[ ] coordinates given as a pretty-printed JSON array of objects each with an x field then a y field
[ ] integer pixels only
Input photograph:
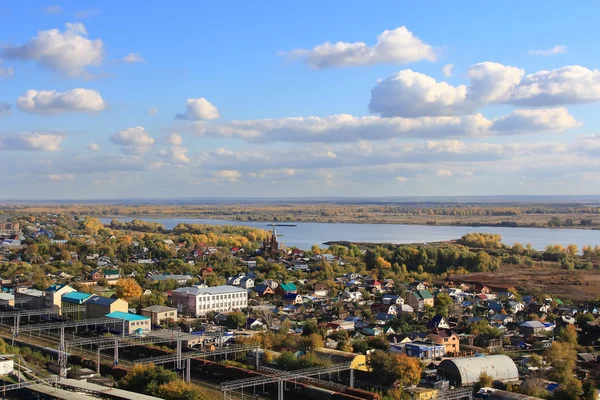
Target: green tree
[{"x": 236, "y": 319}]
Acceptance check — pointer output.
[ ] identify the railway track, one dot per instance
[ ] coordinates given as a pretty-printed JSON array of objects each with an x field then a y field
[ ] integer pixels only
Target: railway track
[{"x": 49, "y": 340}]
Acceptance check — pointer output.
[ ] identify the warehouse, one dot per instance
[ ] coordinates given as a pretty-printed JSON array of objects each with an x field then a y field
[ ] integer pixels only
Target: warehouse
[{"x": 467, "y": 370}]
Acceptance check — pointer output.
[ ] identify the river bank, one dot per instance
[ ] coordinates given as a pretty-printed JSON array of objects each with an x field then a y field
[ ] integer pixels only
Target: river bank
[{"x": 306, "y": 234}]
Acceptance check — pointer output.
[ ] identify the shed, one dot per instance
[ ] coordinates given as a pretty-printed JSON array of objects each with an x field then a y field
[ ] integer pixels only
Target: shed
[{"x": 466, "y": 371}]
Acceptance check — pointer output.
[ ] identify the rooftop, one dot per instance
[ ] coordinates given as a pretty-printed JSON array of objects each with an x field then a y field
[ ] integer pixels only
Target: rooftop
[
  {"x": 127, "y": 316},
  {"x": 223, "y": 289},
  {"x": 157, "y": 308}
]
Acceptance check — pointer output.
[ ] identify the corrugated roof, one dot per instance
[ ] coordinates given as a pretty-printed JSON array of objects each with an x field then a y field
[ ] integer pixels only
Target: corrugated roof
[
  {"x": 499, "y": 367},
  {"x": 75, "y": 297},
  {"x": 103, "y": 301},
  {"x": 127, "y": 316}
]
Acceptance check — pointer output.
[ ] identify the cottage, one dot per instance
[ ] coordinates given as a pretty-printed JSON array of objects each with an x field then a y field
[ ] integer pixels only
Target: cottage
[
  {"x": 419, "y": 299},
  {"x": 286, "y": 287},
  {"x": 292, "y": 298},
  {"x": 447, "y": 338},
  {"x": 263, "y": 290},
  {"x": 160, "y": 314}
]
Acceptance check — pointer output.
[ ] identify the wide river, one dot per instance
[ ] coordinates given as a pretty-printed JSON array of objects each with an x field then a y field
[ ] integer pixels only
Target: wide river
[{"x": 305, "y": 234}]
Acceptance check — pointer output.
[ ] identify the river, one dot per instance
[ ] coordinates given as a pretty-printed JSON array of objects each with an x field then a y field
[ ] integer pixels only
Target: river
[{"x": 305, "y": 234}]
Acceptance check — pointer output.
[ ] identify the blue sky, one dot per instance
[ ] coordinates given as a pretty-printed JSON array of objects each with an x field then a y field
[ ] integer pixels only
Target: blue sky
[{"x": 88, "y": 109}]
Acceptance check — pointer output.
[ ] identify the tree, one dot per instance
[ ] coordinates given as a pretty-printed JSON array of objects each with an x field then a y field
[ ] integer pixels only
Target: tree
[
  {"x": 236, "y": 319},
  {"x": 485, "y": 380},
  {"x": 146, "y": 378},
  {"x": 568, "y": 335},
  {"x": 178, "y": 390},
  {"x": 392, "y": 367},
  {"x": 570, "y": 389},
  {"x": 442, "y": 304},
  {"x": 563, "y": 358},
  {"x": 91, "y": 225},
  {"x": 127, "y": 288},
  {"x": 535, "y": 360}
]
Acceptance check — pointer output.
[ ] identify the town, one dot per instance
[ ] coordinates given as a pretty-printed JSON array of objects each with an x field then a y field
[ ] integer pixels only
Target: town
[{"x": 88, "y": 306}]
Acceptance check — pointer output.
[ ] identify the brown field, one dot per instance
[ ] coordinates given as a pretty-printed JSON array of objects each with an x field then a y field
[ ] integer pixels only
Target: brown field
[{"x": 578, "y": 285}]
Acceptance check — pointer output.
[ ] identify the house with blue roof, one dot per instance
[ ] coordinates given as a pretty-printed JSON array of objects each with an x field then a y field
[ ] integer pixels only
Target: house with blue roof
[
  {"x": 99, "y": 306},
  {"x": 134, "y": 324}
]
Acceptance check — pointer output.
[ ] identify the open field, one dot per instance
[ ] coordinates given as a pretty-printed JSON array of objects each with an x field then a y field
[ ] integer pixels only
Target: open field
[
  {"x": 578, "y": 216},
  {"x": 578, "y": 285}
]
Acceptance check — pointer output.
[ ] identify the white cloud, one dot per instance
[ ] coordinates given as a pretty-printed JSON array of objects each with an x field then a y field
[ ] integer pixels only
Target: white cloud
[
  {"x": 412, "y": 94},
  {"x": 134, "y": 141},
  {"x": 397, "y": 46},
  {"x": 176, "y": 155},
  {"x": 153, "y": 111},
  {"x": 227, "y": 174},
  {"x": 133, "y": 58},
  {"x": 53, "y": 10},
  {"x": 558, "y": 49},
  {"x": 535, "y": 120},
  {"x": 444, "y": 173},
  {"x": 61, "y": 177},
  {"x": 50, "y": 102},
  {"x": 447, "y": 70},
  {"x": 69, "y": 52},
  {"x": 5, "y": 109},
  {"x": 401, "y": 179},
  {"x": 86, "y": 13},
  {"x": 348, "y": 128},
  {"x": 6, "y": 72},
  {"x": 31, "y": 141},
  {"x": 175, "y": 139},
  {"x": 93, "y": 146},
  {"x": 199, "y": 109},
  {"x": 408, "y": 94}
]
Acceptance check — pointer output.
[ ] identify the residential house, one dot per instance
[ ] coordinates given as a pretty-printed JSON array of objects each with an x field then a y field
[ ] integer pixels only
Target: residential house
[
  {"x": 392, "y": 299},
  {"x": 447, "y": 338},
  {"x": 111, "y": 274},
  {"x": 96, "y": 275},
  {"x": 181, "y": 279},
  {"x": 425, "y": 350},
  {"x": 236, "y": 279},
  {"x": 54, "y": 294},
  {"x": 352, "y": 296},
  {"x": 501, "y": 318},
  {"x": 292, "y": 298},
  {"x": 341, "y": 324},
  {"x": 160, "y": 314},
  {"x": 419, "y": 299},
  {"x": 133, "y": 323},
  {"x": 532, "y": 327},
  {"x": 438, "y": 322},
  {"x": 286, "y": 287},
  {"x": 254, "y": 324},
  {"x": 98, "y": 306},
  {"x": 263, "y": 290},
  {"x": 273, "y": 284},
  {"x": 246, "y": 282},
  {"x": 321, "y": 290},
  {"x": 417, "y": 286}
]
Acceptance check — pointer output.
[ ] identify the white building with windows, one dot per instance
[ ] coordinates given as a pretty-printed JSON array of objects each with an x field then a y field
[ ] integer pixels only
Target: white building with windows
[{"x": 197, "y": 301}]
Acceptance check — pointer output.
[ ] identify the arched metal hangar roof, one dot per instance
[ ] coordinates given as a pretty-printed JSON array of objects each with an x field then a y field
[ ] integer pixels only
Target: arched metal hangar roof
[{"x": 499, "y": 367}]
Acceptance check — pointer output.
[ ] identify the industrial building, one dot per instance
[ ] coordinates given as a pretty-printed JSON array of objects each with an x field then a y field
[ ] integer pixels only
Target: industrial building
[{"x": 467, "y": 370}]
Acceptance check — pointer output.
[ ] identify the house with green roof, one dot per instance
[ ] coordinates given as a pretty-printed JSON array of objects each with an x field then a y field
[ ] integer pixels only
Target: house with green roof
[
  {"x": 134, "y": 323},
  {"x": 419, "y": 299},
  {"x": 286, "y": 287}
]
